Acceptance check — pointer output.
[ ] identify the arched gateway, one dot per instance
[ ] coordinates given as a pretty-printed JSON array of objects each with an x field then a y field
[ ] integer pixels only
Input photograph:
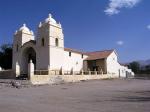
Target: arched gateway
[{"x": 28, "y": 54}]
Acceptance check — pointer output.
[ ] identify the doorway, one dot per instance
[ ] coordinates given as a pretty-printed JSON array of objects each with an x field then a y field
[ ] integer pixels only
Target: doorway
[{"x": 28, "y": 54}]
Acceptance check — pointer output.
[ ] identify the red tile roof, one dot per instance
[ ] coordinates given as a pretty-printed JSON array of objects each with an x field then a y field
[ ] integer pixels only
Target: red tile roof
[
  {"x": 98, "y": 54},
  {"x": 92, "y": 55}
]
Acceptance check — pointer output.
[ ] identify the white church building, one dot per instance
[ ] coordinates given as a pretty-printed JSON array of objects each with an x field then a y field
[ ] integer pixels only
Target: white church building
[{"x": 47, "y": 51}]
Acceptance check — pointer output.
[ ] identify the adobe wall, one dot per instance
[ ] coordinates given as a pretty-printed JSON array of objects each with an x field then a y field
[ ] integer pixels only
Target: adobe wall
[{"x": 7, "y": 74}]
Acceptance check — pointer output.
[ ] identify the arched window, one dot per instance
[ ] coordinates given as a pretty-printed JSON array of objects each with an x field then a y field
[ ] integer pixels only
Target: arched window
[
  {"x": 70, "y": 54},
  {"x": 43, "y": 42},
  {"x": 82, "y": 56},
  {"x": 56, "y": 42}
]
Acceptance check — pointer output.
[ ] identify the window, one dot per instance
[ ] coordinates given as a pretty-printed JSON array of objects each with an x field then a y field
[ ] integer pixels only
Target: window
[
  {"x": 76, "y": 63},
  {"x": 17, "y": 47},
  {"x": 43, "y": 42},
  {"x": 56, "y": 42},
  {"x": 82, "y": 56},
  {"x": 70, "y": 54},
  {"x": 114, "y": 59}
]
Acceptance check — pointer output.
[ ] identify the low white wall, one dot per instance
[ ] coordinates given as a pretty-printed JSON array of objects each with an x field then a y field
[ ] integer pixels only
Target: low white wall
[
  {"x": 40, "y": 79},
  {"x": 50, "y": 79},
  {"x": 75, "y": 78}
]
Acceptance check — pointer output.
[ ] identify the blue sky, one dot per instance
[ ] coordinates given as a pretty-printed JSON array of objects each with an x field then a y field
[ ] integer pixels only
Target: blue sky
[{"x": 88, "y": 25}]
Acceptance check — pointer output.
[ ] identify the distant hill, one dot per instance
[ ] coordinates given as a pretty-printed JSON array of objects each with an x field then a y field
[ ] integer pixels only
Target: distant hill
[
  {"x": 144, "y": 62},
  {"x": 144, "y": 67}
]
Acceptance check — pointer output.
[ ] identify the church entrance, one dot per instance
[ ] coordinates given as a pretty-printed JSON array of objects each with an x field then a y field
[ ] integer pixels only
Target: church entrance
[{"x": 28, "y": 54}]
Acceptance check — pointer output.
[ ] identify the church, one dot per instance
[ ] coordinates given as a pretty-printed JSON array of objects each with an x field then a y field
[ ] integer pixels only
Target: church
[{"x": 47, "y": 51}]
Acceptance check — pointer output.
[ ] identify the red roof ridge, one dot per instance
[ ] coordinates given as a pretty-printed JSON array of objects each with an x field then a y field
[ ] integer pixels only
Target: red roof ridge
[
  {"x": 94, "y": 54},
  {"x": 74, "y": 50},
  {"x": 99, "y": 54},
  {"x": 110, "y": 50}
]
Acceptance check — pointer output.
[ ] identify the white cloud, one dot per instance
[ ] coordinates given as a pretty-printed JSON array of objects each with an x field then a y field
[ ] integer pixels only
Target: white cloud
[
  {"x": 115, "y": 6},
  {"x": 148, "y": 27},
  {"x": 120, "y": 42}
]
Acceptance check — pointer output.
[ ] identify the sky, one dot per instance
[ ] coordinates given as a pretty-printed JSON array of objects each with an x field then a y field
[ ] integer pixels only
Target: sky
[{"x": 88, "y": 25}]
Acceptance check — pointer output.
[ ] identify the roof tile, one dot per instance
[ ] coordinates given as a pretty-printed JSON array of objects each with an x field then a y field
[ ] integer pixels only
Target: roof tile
[{"x": 98, "y": 54}]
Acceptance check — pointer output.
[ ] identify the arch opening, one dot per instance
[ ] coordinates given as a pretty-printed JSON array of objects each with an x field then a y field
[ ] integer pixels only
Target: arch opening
[
  {"x": 27, "y": 55},
  {"x": 56, "y": 42}
]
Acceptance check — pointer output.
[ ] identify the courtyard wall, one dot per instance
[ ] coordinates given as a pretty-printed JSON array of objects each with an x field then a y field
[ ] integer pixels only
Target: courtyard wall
[
  {"x": 54, "y": 79},
  {"x": 7, "y": 74}
]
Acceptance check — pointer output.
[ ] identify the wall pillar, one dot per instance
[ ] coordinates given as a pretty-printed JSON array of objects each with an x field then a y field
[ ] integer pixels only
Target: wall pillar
[
  {"x": 30, "y": 69},
  {"x": 85, "y": 65},
  {"x": 49, "y": 72},
  {"x": 105, "y": 67},
  {"x": 17, "y": 70}
]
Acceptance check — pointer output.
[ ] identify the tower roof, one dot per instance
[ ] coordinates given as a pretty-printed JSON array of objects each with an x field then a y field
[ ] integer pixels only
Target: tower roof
[
  {"x": 50, "y": 19},
  {"x": 24, "y": 28}
]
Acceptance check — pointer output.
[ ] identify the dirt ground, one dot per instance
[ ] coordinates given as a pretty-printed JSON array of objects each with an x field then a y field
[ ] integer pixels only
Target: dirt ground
[{"x": 126, "y": 95}]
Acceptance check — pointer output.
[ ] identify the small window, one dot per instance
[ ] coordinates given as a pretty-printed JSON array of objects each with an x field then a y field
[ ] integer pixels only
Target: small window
[
  {"x": 43, "y": 42},
  {"x": 17, "y": 47},
  {"x": 82, "y": 55},
  {"x": 70, "y": 54},
  {"x": 56, "y": 42},
  {"x": 76, "y": 63}
]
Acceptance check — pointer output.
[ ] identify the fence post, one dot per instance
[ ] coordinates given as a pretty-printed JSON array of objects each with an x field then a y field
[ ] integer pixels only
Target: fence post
[
  {"x": 30, "y": 69},
  {"x": 95, "y": 72},
  {"x": 89, "y": 72},
  {"x": 82, "y": 72},
  {"x": 101, "y": 71}
]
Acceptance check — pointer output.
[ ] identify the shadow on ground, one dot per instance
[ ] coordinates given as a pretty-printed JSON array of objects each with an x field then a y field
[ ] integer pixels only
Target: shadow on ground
[{"x": 139, "y": 96}]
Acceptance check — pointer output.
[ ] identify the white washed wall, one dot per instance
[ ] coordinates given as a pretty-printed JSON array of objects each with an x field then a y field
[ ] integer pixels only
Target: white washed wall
[
  {"x": 112, "y": 64},
  {"x": 75, "y": 61}
]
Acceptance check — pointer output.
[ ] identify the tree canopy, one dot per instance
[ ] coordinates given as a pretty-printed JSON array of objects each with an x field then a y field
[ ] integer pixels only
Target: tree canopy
[
  {"x": 6, "y": 56},
  {"x": 135, "y": 66}
]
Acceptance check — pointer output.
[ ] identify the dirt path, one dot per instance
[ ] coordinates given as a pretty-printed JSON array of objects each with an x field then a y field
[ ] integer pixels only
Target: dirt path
[{"x": 130, "y": 95}]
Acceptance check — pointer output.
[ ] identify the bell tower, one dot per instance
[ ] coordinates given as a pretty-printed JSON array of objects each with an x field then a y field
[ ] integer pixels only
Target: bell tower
[
  {"x": 50, "y": 43},
  {"x": 21, "y": 36}
]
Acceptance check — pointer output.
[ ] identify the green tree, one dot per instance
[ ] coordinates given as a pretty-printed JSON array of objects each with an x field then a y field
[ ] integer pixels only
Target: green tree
[
  {"x": 147, "y": 69},
  {"x": 6, "y": 56},
  {"x": 135, "y": 66}
]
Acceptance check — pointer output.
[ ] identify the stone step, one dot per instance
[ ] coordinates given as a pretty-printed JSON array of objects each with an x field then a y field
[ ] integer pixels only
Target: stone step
[{"x": 23, "y": 77}]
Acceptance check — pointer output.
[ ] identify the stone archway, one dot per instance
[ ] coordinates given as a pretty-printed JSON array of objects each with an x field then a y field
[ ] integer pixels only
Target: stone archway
[{"x": 27, "y": 55}]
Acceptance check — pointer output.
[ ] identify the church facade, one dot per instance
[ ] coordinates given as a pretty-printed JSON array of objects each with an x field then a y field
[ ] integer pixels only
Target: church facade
[{"x": 47, "y": 52}]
